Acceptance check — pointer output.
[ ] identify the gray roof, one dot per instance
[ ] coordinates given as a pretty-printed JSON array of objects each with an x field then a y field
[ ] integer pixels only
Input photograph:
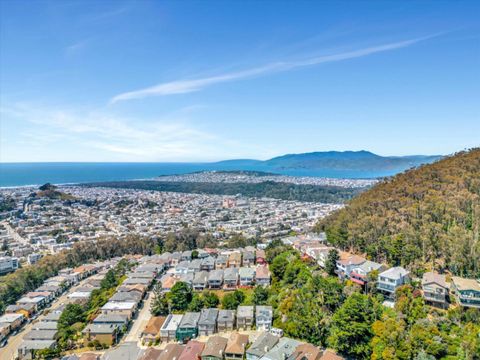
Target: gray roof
[
  {"x": 284, "y": 348},
  {"x": 37, "y": 344},
  {"x": 230, "y": 274},
  {"x": 245, "y": 311},
  {"x": 215, "y": 275},
  {"x": 100, "y": 328},
  {"x": 111, "y": 319},
  {"x": 264, "y": 310},
  {"x": 394, "y": 273},
  {"x": 208, "y": 261},
  {"x": 200, "y": 277},
  {"x": 189, "y": 320},
  {"x": 52, "y": 316},
  {"x": 368, "y": 266},
  {"x": 125, "y": 351},
  {"x": 126, "y": 296},
  {"x": 246, "y": 272},
  {"x": 221, "y": 259},
  {"x": 263, "y": 343},
  {"x": 41, "y": 335},
  {"x": 248, "y": 255},
  {"x": 432, "y": 277},
  {"x": 208, "y": 317},
  {"x": 45, "y": 325},
  {"x": 226, "y": 315}
]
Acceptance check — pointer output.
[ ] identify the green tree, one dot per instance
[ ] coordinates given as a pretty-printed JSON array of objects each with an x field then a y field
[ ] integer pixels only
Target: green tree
[
  {"x": 210, "y": 299},
  {"x": 331, "y": 262},
  {"x": 109, "y": 281},
  {"x": 260, "y": 295},
  {"x": 160, "y": 305},
  {"x": 232, "y": 300},
  {"x": 196, "y": 304},
  {"x": 194, "y": 254},
  {"x": 180, "y": 296},
  {"x": 351, "y": 326}
]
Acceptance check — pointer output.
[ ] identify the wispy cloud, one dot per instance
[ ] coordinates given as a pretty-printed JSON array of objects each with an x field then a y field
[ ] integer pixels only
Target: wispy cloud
[
  {"x": 166, "y": 138},
  {"x": 192, "y": 85}
]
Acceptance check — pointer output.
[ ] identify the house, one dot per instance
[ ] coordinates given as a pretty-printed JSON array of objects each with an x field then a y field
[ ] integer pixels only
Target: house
[
  {"x": 346, "y": 265},
  {"x": 221, "y": 262},
  {"x": 260, "y": 256},
  {"x": 262, "y": 344},
  {"x": 186, "y": 255},
  {"x": 188, "y": 327},
  {"x": 187, "y": 278},
  {"x": 151, "y": 333},
  {"x": 244, "y": 317},
  {"x": 14, "y": 320},
  {"x": 360, "y": 274},
  {"x": 235, "y": 259},
  {"x": 247, "y": 276},
  {"x": 38, "y": 301},
  {"x": 306, "y": 352},
  {"x": 236, "y": 346},
  {"x": 230, "y": 278},
  {"x": 466, "y": 291},
  {"x": 215, "y": 279},
  {"x": 27, "y": 310},
  {"x": 214, "y": 348},
  {"x": 128, "y": 350},
  {"x": 248, "y": 258},
  {"x": 208, "y": 264},
  {"x": 106, "y": 334},
  {"x": 28, "y": 346},
  {"x": 119, "y": 308},
  {"x": 171, "y": 352},
  {"x": 8, "y": 264},
  {"x": 169, "y": 328},
  {"x": 168, "y": 281},
  {"x": 262, "y": 275},
  {"x": 176, "y": 258},
  {"x": 263, "y": 317},
  {"x": 193, "y": 350},
  {"x": 195, "y": 266},
  {"x": 282, "y": 350},
  {"x": 182, "y": 268},
  {"x": 200, "y": 281},
  {"x": 389, "y": 280},
  {"x": 226, "y": 320},
  {"x": 435, "y": 289},
  {"x": 207, "y": 324}
]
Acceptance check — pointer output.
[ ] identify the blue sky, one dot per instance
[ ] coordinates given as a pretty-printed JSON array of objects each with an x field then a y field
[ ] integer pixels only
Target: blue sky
[{"x": 210, "y": 80}]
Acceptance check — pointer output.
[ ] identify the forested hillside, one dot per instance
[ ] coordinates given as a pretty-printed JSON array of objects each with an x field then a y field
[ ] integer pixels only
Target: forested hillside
[{"x": 423, "y": 218}]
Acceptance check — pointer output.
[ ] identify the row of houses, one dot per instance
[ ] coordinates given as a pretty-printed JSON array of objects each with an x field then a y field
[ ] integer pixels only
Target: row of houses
[
  {"x": 33, "y": 302},
  {"x": 43, "y": 333},
  {"x": 218, "y": 279},
  {"x": 238, "y": 346},
  {"x": 183, "y": 327},
  {"x": 116, "y": 315},
  {"x": 435, "y": 288}
]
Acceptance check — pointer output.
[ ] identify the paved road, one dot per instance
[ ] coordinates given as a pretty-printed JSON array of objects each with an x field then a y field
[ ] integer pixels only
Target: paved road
[
  {"x": 10, "y": 350},
  {"x": 141, "y": 321}
]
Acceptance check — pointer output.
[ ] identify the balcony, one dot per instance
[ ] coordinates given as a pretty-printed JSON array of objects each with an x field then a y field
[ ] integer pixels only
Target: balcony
[{"x": 385, "y": 287}]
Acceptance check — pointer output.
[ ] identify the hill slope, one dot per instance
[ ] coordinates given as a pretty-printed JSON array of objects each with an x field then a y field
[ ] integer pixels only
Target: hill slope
[
  {"x": 429, "y": 216},
  {"x": 338, "y": 161}
]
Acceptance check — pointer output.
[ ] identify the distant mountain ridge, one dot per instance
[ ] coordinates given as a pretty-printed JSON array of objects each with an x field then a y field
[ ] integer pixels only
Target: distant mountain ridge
[{"x": 338, "y": 161}]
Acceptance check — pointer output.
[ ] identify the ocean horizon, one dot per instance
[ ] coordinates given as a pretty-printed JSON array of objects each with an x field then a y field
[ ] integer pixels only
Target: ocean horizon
[{"x": 34, "y": 174}]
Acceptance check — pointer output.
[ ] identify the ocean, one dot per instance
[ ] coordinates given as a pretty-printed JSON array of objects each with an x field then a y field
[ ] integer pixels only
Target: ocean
[{"x": 23, "y": 174}]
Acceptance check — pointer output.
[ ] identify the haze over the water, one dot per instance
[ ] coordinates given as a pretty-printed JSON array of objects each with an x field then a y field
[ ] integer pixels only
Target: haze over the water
[{"x": 204, "y": 81}]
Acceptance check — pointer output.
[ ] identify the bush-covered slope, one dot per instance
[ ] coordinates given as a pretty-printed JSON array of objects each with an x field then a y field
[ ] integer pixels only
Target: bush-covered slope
[{"x": 425, "y": 217}]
